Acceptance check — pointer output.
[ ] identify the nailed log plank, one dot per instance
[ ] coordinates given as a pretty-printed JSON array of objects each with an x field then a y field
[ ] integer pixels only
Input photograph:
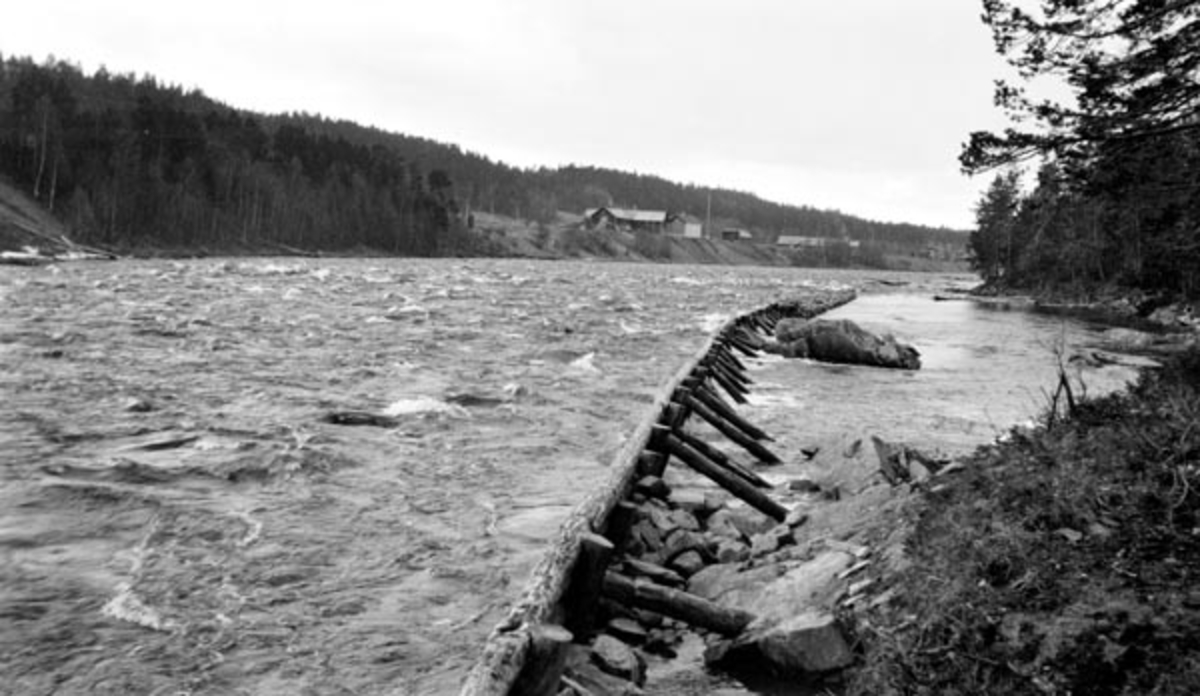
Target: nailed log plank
[
  {"x": 735, "y": 391},
  {"x": 676, "y": 604},
  {"x": 651, "y": 464},
  {"x": 736, "y": 339},
  {"x": 728, "y": 480},
  {"x": 728, "y": 356},
  {"x": 730, "y": 431},
  {"x": 514, "y": 641},
  {"x": 546, "y": 661},
  {"x": 726, "y": 411},
  {"x": 580, "y": 601},
  {"x": 719, "y": 362},
  {"x": 719, "y": 457},
  {"x": 508, "y": 645}
]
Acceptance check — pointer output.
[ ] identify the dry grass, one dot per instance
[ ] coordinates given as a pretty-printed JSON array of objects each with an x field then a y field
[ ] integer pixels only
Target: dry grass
[{"x": 1065, "y": 560}]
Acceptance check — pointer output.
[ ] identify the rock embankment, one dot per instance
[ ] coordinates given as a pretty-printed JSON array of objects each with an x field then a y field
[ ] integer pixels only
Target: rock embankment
[
  {"x": 750, "y": 552},
  {"x": 766, "y": 597}
]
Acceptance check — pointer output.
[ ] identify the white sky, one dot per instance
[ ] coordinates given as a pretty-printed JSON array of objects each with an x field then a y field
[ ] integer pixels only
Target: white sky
[{"x": 857, "y": 105}]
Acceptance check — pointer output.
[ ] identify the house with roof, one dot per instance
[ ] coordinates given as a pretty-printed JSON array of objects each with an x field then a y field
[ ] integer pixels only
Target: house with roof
[{"x": 634, "y": 220}]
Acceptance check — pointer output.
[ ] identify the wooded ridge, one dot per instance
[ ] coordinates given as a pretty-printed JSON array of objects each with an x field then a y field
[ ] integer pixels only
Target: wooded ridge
[{"x": 129, "y": 163}]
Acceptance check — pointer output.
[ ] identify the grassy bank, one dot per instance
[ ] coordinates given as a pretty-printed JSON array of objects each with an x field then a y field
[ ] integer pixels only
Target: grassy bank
[{"x": 1065, "y": 560}]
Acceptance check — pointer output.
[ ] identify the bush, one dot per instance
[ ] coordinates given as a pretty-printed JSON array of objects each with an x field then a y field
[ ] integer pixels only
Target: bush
[
  {"x": 1063, "y": 560},
  {"x": 652, "y": 245}
]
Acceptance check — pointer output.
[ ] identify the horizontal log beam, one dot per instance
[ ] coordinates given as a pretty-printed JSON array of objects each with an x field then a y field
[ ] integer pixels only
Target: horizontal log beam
[
  {"x": 722, "y": 459},
  {"x": 731, "y": 482},
  {"x": 676, "y": 604},
  {"x": 726, "y": 411},
  {"x": 732, "y": 432}
]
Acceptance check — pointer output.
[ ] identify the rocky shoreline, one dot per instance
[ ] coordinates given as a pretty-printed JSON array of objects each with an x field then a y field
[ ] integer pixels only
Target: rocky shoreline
[
  {"x": 789, "y": 585},
  {"x": 784, "y": 596},
  {"x": 757, "y": 567}
]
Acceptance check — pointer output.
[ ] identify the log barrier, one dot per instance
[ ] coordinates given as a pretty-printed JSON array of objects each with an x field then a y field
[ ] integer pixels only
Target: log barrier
[{"x": 526, "y": 652}]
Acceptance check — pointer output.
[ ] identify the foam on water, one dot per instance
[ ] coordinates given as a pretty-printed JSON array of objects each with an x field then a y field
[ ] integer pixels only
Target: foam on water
[
  {"x": 127, "y": 606},
  {"x": 424, "y": 404}
]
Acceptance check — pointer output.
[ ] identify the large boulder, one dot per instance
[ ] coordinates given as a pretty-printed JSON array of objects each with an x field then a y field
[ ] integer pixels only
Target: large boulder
[
  {"x": 811, "y": 585},
  {"x": 842, "y": 341},
  {"x": 801, "y": 646},
  {"x": 805, "y": 644}
]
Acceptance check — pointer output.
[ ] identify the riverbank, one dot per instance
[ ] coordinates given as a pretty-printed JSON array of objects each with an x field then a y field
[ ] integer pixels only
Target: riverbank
[
  {"x": 29, "y": 235},
  {"x": 1061, "y": 560}
]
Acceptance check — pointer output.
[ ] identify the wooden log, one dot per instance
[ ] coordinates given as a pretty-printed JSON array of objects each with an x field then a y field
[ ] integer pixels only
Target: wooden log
[
  {"x": 651, "y": 464},
  {"x": 676, "y": 604},
  {"x": 720, "y": 360},
  {"x": 751, "y": 337},
  {"x": 742, "y": 381},
  {"x": 732, "y": 360},
  {"x": 621, "y": 519},
  {"x": 674, "y": 414},
  {"x": 741, "y": 344},
  {"x": 506, "y": 649},
  {"x": 730, "y": 431},
  {"x": 579, "y": 603},
  {"x": 733, "y": 366},
  {"x": 735, "y": 391},
  {"x": 719, "y": 457},
  {"x": 731, "y": 482},
  {"x": 509, "y": 645},
  {"x": 718, "y": 405},
  {"x": 545, "y": 660}
]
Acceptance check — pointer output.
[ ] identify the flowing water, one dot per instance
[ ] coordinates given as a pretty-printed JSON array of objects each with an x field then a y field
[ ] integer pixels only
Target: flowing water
[
  {"x": 178, "y": 516},
  {"x": 984, "y": 369}
]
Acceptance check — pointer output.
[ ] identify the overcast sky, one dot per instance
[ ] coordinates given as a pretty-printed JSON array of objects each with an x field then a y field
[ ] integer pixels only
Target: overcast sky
[{"x": 857, "y": 105}]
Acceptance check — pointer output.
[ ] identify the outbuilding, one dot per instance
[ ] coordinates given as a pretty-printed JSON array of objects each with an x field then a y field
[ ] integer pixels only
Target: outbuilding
[{"x": 630, "y": 220}]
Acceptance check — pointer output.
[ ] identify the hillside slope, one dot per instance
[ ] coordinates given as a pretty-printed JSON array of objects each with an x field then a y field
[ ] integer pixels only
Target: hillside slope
[
  {"x": 23, "y": 223},
  {"x": 139, "y": 166}
]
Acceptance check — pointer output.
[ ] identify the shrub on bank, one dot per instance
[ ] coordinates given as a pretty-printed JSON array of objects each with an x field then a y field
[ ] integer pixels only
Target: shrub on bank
[{"x": 1064, "y": 560}]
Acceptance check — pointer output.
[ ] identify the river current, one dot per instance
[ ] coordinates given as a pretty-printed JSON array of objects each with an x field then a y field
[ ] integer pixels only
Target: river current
[{"x": 178, "y": 515}]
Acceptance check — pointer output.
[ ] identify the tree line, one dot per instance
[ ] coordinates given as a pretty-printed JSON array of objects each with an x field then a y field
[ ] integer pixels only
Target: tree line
[
  {"x": 537, "y": 194},
  {"x": 1116, "y": 195},
  {"x": 129, "y": 162}
]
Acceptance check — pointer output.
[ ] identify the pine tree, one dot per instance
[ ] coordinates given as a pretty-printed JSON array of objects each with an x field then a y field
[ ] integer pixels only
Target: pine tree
[
  {"x": 991, "y": 246},
  {"x": 1133, "y": 66}
]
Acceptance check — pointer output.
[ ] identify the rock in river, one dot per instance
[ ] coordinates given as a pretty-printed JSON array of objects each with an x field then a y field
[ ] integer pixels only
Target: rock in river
[{"x": 842, "y": 341}]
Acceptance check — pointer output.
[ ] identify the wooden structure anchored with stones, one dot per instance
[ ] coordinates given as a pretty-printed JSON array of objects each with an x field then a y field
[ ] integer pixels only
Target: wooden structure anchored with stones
[{"x": 583, "y": 574}]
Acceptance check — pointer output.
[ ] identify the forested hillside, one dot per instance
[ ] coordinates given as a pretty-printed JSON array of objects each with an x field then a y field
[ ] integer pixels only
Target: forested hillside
[
  {"x": 1116, "y": 201},
  {"x": 537, "y": 194},
  {"x": 129, "y": 162}
]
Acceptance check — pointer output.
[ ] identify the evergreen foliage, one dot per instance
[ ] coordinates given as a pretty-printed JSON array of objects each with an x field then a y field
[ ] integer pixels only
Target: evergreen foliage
[
  {"x": 1117, "y": 200},
  {"x": 128, "y": 162}
]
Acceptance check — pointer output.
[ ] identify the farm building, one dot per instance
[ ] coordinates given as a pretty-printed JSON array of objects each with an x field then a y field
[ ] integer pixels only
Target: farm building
[
  {"x": 734, "y": 234},
  {"x": 634, "y": 220},
  {"x": 796, "y": 241}
]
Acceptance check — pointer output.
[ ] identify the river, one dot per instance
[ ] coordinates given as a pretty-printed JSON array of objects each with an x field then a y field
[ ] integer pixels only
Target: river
[{"x": 178, "y": 516}]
